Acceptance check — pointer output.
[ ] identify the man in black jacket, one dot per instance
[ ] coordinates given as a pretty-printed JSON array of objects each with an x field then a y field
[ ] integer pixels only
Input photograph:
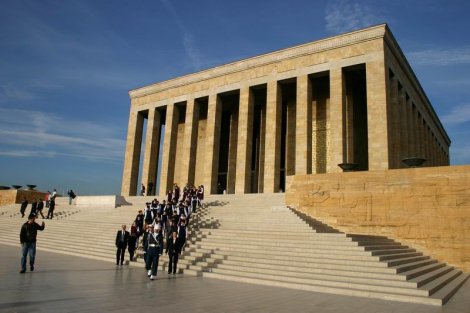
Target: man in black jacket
[
  {"x": 122, "y": 237},
  {"x": 23, "y": 207},
  {"x": 173, "y": 249},
  {"x": 28, "y": 235}
]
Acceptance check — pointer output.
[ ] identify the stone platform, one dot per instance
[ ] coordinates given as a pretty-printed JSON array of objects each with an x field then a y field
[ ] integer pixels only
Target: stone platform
[{"x": 64, "y": 283}]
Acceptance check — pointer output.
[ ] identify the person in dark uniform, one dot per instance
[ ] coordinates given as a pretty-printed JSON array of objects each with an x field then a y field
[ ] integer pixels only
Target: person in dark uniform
[
  {"x": 132, "y": 244},
  {"x": 40, "y": 207},
  {"x": 173, "y": 249},
  {"x": 122, "y": 237},
  {"x": 28, "y": 236},
  {"x": 139, "y": 221},
  {"x": 182, "y": 231},
  {"x": 145, "y": 242},
  {"x": 154, "y": 250},
  {"x": 23, "y": 207},
  {"x": 34, "y": 206},
  {"x": 50, "y": 213}
]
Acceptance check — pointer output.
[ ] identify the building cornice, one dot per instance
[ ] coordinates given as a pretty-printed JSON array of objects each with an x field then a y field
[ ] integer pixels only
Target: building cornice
[{"x": 330, "y": 43}]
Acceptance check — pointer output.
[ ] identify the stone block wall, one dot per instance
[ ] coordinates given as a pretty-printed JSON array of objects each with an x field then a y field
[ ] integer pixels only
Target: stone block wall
[
  {"x": 13, "y": 196},
  {"x": 425, "y": 208}
]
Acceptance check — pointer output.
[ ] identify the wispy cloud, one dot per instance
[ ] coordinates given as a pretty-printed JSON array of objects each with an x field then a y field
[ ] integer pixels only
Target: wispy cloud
[
  {"x": 343, "y": 16},
  {"x": 441, "y": 57},
  {"x": 458, "y": 115},
  {"x": 10, "y": 92},
  {"x": 27, "y": 133},
  {"x": 187, "y": 38}
]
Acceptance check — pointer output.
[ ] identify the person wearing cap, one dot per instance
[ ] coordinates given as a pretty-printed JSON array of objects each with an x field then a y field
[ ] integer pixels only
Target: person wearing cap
[
  {"x": 28, "y": 236},
  {"x": 154, "y": 250},
  {"x": 148, "y": 215}
]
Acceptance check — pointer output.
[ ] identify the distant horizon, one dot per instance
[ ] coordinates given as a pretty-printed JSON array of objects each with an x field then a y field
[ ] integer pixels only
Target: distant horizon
[{"x": 66, "y": 69}]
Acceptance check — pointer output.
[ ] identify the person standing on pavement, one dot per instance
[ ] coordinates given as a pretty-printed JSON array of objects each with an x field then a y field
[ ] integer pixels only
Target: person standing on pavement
[
  {"x": 50, "y": 212},
  {"x": 154, "y": 250},
  {"x": 173, "y": 249},
  {"x": 23, "y": 207},
  {"x": 122, "y": 238},
  {"x": 28, "y": 236},
  {"x": 39, "y": 208}
]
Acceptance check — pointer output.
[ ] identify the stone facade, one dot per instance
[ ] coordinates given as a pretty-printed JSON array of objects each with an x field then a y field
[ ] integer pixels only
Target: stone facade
[
  {"x": 425, "y": 208},
  {"x": 247, "y": 125}
]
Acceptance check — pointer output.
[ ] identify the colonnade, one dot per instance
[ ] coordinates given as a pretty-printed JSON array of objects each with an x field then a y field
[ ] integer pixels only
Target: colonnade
[{"x": 246, "y": 140}]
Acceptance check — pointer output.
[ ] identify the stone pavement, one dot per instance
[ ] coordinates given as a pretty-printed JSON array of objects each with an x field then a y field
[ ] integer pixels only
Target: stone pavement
[{"x": 64, "y": 283}]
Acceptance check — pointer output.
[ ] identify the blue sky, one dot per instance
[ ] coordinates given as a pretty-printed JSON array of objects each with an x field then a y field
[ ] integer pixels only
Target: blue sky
[{"x": 66, "y": 68}]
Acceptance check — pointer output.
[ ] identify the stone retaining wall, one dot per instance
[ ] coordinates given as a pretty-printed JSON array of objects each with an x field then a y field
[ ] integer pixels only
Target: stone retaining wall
[
  {"x": 13, "y": 196},
  {"x": 425, "y": 208}
]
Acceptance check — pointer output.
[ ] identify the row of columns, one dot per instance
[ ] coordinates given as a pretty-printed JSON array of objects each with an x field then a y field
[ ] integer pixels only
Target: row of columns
[
  {"x": 411, "y": 135},
  {"x": 271, "y": 139}
]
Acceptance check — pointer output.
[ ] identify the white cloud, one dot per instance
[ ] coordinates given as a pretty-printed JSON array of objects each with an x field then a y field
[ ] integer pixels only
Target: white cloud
[
  {"x": 27, "y": 133},
  {"x": 343, "y": 16},
  {"x": 187, "y": 38},
  {"x": 458, "y": 115},
  {"x": 441, "y": 57}
]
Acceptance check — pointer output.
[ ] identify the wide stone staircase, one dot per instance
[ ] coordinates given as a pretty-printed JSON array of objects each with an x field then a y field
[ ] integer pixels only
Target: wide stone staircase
[{"x": 257, "y": 239}]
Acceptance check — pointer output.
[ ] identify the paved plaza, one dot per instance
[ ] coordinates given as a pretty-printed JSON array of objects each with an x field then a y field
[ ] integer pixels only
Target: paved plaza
[{"x": 64, "y": 283}]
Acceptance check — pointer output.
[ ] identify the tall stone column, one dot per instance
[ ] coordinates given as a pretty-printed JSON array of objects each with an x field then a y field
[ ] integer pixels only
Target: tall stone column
[
  {"x": 377, "y": 115},
  {"x": 403, "y": 117},
  {"x": 272, "y": 157},
  {"x": 152, "y": 140},
  {"x": 409, "y": 128},
  {"x": 190, "y": 142},
  {"x": 132, "y": 157},
  {"x": 169, "y": 149},
  {"x": 337, "y": 118},
  {"x": 303, "y": 126},
  {"x": 262, "y": 149},
  {"x": 417, "y": 132},
  {"x": 422, "y": 139},
  {"x": 245, "y": 137},
  {"x": 211, "y": 162},
  {"x": 232, "y": 154},
  {"x": 395, "y": 123}
]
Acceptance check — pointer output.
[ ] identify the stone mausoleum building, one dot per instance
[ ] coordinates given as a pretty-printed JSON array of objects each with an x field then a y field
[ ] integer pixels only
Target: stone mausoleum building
[{"x": 246, "y": 125}]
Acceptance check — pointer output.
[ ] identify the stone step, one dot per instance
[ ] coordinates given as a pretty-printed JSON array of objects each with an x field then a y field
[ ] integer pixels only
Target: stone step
[
  {"x": 313, "y": 277},
  {"x": 397, "y": 256},
  {"x": 328, "y": 264},
  {"x": 436, "y": 284},
  {"x": 331, "y": 290},
  {"x": 446, "y": 292},
  {"x": 413, "y": 265},
  {"x": 318, "y": 256},
  {"x": 430, "y": 276},
  {"x": 326, "y": 283},
  {"x": 303, "y": 267},
  {"x": 254, "y": 232},
  {"x": 404, "y": 261},
  {"x": 326, "y": 251},
  {"x": 422, "y": 270},
  {"x": 279, "y": 238},
  {"x": 268, "y": 242},
  {"x": 388, "y": 252}
]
